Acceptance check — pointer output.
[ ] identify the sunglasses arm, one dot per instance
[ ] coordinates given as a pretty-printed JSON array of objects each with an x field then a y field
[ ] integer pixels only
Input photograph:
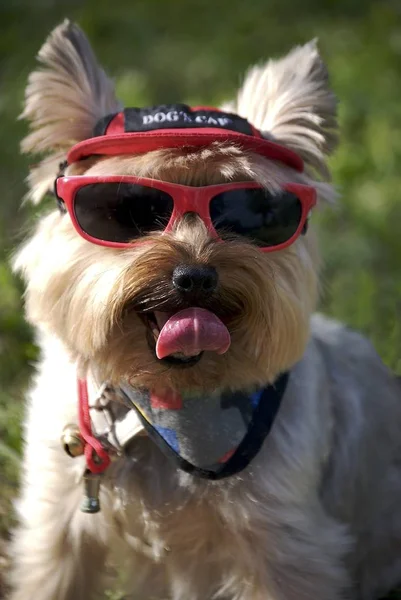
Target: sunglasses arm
[{"x": 60, "y": 202}]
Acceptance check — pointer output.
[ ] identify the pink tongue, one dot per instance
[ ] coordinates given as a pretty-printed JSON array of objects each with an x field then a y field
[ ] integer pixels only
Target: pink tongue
[{"x": 190, "y": 331}]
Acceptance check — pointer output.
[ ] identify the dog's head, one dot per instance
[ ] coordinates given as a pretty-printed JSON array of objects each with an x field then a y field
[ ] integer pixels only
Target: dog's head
[{"x": 187, "y": 263}]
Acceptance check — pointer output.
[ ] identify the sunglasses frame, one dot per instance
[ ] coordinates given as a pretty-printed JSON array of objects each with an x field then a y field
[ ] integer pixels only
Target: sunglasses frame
[{"x": 185, "y": 199}]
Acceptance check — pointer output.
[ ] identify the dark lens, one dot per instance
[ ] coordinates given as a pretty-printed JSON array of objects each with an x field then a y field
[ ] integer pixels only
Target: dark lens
[
  {"x": 264, "y": 218},
  {"x": 121, "y": 212}
]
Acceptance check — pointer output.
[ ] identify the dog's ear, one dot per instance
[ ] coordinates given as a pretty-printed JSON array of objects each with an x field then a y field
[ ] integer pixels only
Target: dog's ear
[
  {"x": 290, "y": 101},
  {"x": 64, "y": 99}
]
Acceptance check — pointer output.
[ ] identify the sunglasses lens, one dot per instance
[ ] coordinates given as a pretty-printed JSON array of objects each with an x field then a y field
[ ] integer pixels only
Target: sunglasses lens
[
  {"x": 121, "y": 212},
  {"x": 264, "y": 218}
]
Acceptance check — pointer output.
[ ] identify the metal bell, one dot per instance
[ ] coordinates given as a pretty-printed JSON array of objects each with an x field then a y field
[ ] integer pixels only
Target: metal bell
[
  {"x": 72, "y": 441},
  {"x": 91, "y": 502}
]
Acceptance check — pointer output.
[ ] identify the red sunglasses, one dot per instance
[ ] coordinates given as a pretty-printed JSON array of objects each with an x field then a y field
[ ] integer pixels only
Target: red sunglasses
[{"x": 117, "y": 210}]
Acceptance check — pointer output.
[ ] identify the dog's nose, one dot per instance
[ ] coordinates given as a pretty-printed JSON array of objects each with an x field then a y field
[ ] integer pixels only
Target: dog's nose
[{"x": 195, "y": 280}]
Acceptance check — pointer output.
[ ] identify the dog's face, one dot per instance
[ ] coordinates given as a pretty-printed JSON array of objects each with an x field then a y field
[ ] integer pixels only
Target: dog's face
[{"x": 108, "y": 305}]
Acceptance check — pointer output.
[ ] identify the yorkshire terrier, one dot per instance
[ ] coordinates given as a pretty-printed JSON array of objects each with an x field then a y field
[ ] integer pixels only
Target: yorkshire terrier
[{"x": 226, "y": 443}]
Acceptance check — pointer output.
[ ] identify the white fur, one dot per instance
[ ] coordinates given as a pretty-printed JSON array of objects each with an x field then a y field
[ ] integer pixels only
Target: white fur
[{"x": 319, "y": 499}]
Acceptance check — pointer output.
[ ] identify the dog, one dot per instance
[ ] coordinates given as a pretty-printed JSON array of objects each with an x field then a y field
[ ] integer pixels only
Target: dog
[{"x": 227, "y": 442}]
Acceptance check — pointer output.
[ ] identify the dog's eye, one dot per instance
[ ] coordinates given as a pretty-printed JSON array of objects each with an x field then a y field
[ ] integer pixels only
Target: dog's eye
[
  {"x": 121, "y": 212},
  {"x": 264, "y": 218}
]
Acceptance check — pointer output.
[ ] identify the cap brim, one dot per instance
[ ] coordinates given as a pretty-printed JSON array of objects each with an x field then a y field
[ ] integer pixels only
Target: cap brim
[{"x": 141, "y": 142}]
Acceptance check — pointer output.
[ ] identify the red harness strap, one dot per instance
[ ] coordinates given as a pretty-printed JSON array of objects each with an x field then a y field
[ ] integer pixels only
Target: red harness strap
[{"x": 97, "y": 458}]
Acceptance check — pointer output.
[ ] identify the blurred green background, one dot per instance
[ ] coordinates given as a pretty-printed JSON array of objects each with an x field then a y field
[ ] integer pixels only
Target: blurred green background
[{"x": 197, "y": 51}]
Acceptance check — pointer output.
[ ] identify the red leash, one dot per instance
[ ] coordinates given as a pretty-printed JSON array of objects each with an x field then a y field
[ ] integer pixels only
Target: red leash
[{"x": 97, "y": 459}]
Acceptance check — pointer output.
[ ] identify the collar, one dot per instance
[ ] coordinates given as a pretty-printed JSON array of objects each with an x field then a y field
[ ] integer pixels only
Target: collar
[{"x": 212, "y": 436}]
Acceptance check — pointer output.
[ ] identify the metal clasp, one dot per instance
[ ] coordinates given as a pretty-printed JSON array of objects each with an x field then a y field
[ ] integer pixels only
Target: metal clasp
[{"x": 91, "y": 501}]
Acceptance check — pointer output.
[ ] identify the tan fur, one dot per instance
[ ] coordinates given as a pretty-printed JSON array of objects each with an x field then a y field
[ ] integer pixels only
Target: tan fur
[{"x": 273, "y": 293}]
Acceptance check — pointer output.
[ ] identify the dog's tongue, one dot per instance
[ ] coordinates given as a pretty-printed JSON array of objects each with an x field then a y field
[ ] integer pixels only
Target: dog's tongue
[{"x": 190, "y": 331}]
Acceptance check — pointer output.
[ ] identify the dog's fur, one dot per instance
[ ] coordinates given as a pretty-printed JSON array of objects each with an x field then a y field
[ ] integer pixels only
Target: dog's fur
[{"x": 316, "y": 516}]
